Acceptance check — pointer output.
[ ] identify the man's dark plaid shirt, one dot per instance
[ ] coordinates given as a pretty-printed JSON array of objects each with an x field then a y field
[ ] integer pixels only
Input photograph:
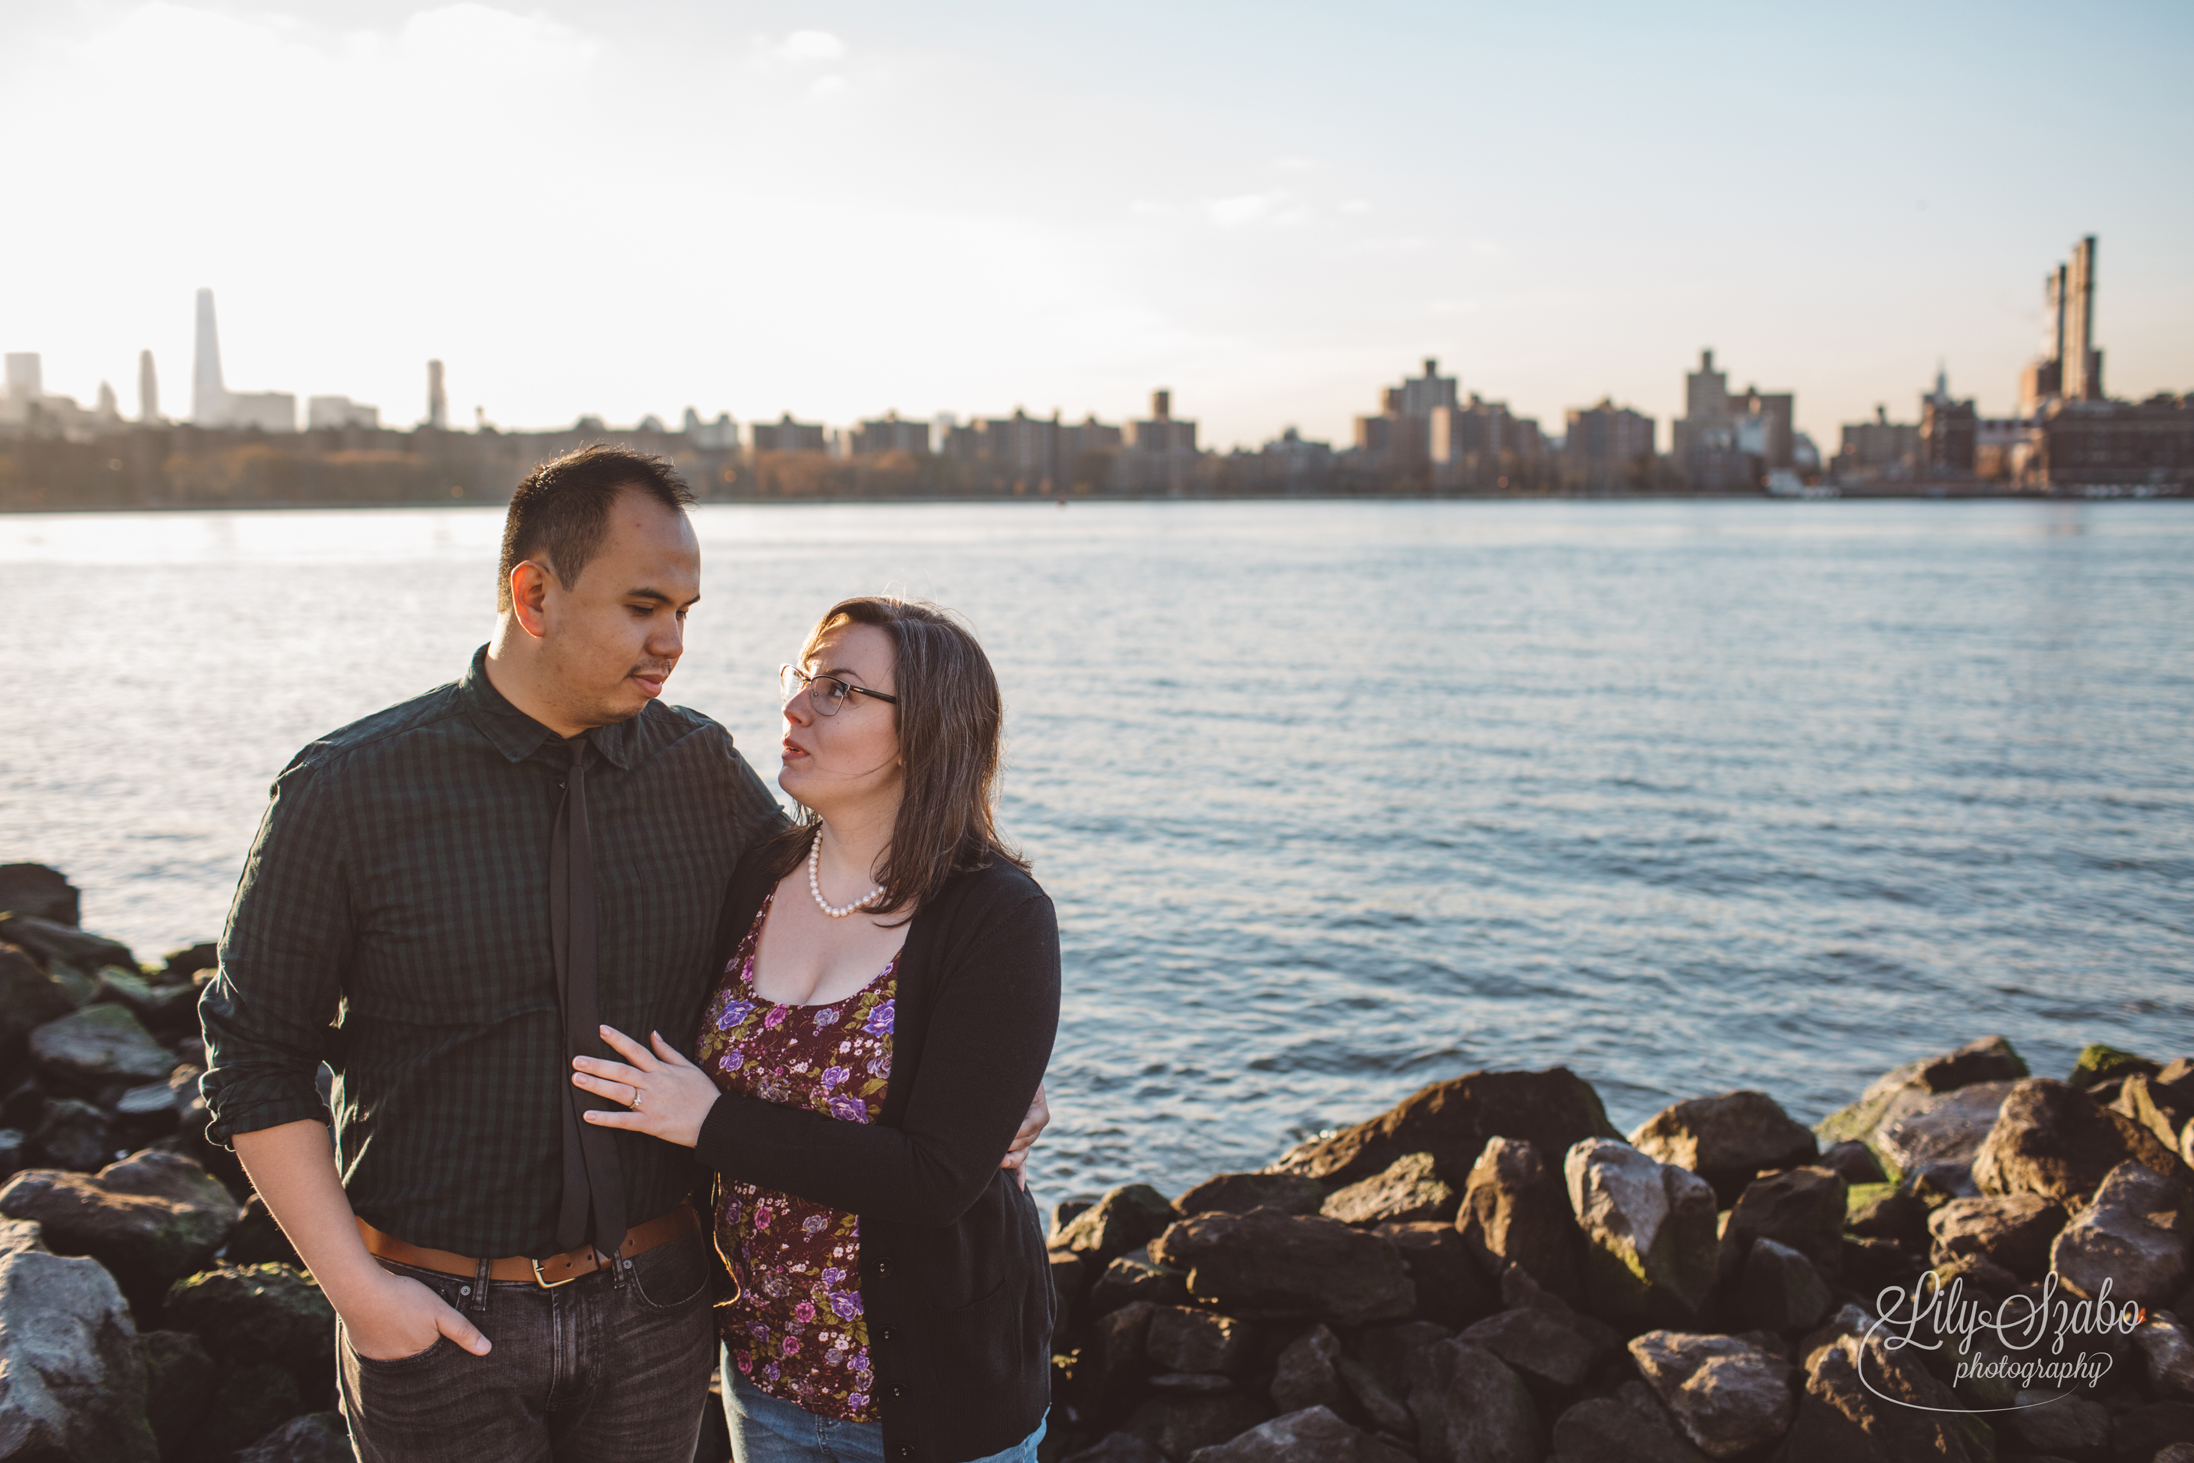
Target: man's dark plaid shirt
[{"x": 398, "y": 890}]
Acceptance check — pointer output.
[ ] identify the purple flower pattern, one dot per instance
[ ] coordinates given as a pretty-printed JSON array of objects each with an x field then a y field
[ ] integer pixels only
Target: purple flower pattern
[{"x": 798, "y": 1329}]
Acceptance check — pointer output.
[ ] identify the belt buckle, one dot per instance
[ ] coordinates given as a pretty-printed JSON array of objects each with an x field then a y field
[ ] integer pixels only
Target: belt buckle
[{"x": 547, "y": 1284}]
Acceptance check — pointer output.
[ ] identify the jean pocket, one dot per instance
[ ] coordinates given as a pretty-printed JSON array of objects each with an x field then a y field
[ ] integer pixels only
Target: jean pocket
[
  {"x": 390, "y": 1366},
  {"x": 673, "y": 1275}
]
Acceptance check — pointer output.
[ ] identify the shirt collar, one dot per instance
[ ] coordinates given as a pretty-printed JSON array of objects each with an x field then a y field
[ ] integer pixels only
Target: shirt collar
[{"x": 518, "y": 736}]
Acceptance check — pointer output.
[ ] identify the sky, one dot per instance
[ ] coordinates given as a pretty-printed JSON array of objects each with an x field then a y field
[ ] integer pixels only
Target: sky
[{"x": 1273, "y": 209}]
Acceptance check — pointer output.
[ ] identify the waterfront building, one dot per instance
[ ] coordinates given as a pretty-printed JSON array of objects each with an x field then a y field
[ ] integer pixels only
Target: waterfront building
[
  {"x": 1481, "y": 447},
  {"x": 1397, "y": 442},
  {"x": 787, "y": 435},
  {"x": 1726, "y": 440},
  {"x": 2124, "y": 446},
  {"x": 332, "y": 413},
  {"x": 1949, "y": 433},
  {"x": 1877, "y": 451},
  {"x": 1159, "y": 453},
  {"x": 721, "y": 435},
  {"x": 1607, "y": 448},
  {"x": 889, "y": 433}
]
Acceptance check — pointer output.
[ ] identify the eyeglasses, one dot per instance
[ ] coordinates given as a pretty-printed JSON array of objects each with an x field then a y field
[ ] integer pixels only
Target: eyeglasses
[{"x": 825, "y": 693}]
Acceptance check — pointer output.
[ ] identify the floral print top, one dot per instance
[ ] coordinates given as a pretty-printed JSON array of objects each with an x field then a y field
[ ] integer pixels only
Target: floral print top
[{"x": 796, "y": 1331}]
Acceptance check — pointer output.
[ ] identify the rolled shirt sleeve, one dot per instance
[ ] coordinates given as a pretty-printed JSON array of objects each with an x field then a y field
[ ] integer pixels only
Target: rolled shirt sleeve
[{"x": 267, "y": 1011}]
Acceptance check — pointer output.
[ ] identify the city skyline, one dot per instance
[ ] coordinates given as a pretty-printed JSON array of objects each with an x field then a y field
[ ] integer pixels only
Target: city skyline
[{"x": 817, "y": 210}]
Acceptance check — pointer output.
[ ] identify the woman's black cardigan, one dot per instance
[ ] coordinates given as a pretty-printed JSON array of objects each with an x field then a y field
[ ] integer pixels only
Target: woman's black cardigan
[{"x": 954, "y": 1280}]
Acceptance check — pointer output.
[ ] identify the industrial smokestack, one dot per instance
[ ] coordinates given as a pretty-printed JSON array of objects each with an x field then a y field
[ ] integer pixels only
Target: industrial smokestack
[
  {"x": 148, "y": 391},
  {"x": 1161, "y": 405},
  {"x": 437, "y": 398}
]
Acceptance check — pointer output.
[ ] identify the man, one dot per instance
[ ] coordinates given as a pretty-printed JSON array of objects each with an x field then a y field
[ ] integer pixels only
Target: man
[{"x": 445, "y": 902}]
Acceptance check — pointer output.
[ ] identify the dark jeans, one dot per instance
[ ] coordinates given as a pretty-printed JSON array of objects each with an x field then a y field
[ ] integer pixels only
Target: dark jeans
[{"x": 605, "y": 1368}]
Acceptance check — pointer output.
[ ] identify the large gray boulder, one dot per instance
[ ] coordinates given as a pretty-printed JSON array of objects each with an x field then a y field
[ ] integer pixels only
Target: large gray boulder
[
  {"x": 1127, "y": 1218},
  {"x": 2133, "y": 1235},
  {"x": 1118, "y": 1448},
  {"x": 1472, "y": 1409},
  {"x": 1991, "y": 1059},
  {"x": 1450, "y": 1289},
  {"x": 96, "y": 1046},
  {"x": 1313, "y": 1435},
  {"x": 271, "y": 1315},
  {"x": 2167, "y": 1355},
  {"x": 1727, "y": 1394},
  {"x": 53, "y": 943},
  {"x": 1177, "y": 1424},
  {"x": 1651, "y": 1246},
  {"x": 151, "y": 1219},
  {"x": 29, "y": 997},
  {"x": 41, "y": 892},
  {"x": 2053, "y": 1140},
  {"x": 1539, "y": 1343},
  {"x": 1920, "y": 1132},
  {"x": 1515, "y": 1211},
  {"x": 1106, "y": 1372},
  {"x": 1308, "y": 1372},
  {"x": 1184, "y": 1339},
  {"x": 1727, "y": 1139},
  {"x": 75, "y": 1135},
  {"x": 1267, "y": 1265},
  {"x": 1408, "y": 1188},
  {"x": 72, "y": 1379},
  {"x": 1896, "y": 1412},
  {"x": 2014, "y": 1231},
  {"x": 1238, "y": 1193},
  {"x": 1629, "y": 1425},
  {"x": 1452, "y": 1121},
  {"x": 2053, "y": 1424},
  {"x": 1131, "y": 1277},
  {"x": 1780, "y": 1290},
  {"x": 2162, "y": 1102},
  {"x": 1802, "y": 1208}
]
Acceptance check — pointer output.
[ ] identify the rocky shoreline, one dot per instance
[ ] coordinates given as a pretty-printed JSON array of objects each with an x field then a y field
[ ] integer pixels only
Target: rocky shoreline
[{"x": 1486, "y": 1273}]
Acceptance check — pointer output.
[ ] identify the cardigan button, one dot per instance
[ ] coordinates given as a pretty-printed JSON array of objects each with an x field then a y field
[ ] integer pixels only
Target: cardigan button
[
  {"x": 887, "y": 1334},
  {"x": 883, "y": 1269},
  {"x": 905, "y": 1450},
  {"x": 898, "y": 1391}
]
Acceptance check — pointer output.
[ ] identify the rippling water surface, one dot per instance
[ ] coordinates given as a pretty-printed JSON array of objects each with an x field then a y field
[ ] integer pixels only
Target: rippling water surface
[{"x": 1336, "y": 799}]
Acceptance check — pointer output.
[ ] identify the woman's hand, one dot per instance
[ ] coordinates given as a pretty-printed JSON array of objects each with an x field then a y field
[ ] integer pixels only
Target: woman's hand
[
  {"x": 1032, "y": 1127},
  {"x": 669, "y": 1097}
]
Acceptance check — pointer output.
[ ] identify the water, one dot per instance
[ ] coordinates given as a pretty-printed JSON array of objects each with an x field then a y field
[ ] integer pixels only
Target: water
[{"x": 1335, "y": 799}]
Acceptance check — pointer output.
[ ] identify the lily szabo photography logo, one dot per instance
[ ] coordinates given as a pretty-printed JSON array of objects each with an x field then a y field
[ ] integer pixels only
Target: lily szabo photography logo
[{"x": 2027, "y": 1341}]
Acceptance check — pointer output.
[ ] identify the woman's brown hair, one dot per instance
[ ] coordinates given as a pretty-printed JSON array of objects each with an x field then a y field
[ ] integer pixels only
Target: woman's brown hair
[{"x": 951, "y": 735}]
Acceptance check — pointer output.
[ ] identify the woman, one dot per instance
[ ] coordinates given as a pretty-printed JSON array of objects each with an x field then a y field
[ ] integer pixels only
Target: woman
[{"x": 884, "y": 1016}]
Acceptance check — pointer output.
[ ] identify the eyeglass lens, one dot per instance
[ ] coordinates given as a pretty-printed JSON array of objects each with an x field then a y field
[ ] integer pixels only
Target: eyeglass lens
[{"x": 825, "y": 693}]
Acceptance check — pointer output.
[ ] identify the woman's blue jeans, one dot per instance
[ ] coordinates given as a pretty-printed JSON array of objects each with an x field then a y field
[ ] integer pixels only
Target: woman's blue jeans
[{"x": 767, "y": 1430}]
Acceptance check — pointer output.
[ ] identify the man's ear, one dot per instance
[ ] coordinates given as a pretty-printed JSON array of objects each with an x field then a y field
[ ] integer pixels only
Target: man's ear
[{"x": 529, "y": 586}]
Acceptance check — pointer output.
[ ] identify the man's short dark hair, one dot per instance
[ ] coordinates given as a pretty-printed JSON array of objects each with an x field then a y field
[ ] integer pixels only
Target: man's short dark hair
[{"x": 561, "y": 511}]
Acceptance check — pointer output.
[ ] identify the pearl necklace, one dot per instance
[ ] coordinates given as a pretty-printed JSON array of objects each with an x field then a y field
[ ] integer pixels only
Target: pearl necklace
[{"x": 815, "y": 884}]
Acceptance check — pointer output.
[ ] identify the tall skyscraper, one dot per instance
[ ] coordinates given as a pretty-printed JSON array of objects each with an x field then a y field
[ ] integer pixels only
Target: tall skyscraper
[
  {"x": 2083, "y": 366},
  {"x": 148, "y": 391},
  {"x": 209, "y": 398},
  {"x": 437, "y": 398}
]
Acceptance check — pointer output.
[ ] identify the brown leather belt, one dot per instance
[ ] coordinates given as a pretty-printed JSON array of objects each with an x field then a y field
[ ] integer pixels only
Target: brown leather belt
[{"x": 548, "y": 1272}]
